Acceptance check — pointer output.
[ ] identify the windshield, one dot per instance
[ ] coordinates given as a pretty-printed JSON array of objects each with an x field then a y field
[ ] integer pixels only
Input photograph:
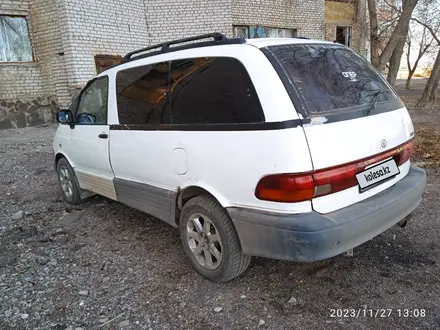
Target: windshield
[{"x": 330, "y": 78}]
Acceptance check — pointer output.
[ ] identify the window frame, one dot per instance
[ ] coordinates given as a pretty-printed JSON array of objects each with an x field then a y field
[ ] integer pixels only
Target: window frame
[
  {"x": 79, "y": 97},
  {"x": 26, "y": 18}
]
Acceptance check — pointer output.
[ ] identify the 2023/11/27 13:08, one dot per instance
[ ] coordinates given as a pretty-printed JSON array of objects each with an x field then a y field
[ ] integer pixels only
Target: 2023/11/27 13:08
[{"x": 377, "y": 312}]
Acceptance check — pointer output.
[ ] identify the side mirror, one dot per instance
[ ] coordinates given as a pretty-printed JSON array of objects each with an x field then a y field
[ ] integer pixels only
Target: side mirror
[
  {"x": 85, "y": 118},
  {"x": 64, "y": 117}
]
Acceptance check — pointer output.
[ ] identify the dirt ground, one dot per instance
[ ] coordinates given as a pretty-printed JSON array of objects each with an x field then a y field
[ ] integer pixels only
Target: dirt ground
[{"x": 105, "y": 266}]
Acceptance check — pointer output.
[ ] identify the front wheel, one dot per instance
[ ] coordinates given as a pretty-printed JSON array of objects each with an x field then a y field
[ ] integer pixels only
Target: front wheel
[
  {"x": 67, "y": 182},
  {"x": 210, "y": 240}
]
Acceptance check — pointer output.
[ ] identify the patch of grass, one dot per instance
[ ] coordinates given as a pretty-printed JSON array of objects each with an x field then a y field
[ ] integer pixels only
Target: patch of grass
[{"x": 427, "y": 145}]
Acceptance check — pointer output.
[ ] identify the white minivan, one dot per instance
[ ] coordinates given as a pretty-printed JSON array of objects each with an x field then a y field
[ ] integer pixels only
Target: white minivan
[{"x": 293, "y": 149}]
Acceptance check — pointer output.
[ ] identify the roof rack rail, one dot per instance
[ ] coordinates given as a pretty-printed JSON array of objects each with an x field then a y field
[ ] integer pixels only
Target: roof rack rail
[{"x": 219, "y": 39}]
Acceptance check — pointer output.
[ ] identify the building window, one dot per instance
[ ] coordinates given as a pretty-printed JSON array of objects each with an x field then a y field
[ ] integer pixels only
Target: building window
[
  {"x": 343, "y": 35},
  {"x": 15, "y": 45},
  {"x": 241, "y": 32},
  {"x": 249, "y": 32}
]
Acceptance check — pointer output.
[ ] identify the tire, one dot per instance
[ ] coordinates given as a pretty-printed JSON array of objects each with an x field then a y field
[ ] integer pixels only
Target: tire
[
  {"x": 204, "y": 211},
  {"x": 66, "y": 178}
]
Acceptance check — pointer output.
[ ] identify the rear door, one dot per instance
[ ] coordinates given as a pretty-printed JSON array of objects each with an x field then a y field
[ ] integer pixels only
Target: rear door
[{"x": 349, "y": 113}]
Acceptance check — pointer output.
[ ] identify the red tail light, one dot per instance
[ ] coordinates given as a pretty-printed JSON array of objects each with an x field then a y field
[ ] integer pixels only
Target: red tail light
[
  {"x": 290, "y": 188},
  {"x": 287, "y": 188},
  {"x": 405, "y": 154}
]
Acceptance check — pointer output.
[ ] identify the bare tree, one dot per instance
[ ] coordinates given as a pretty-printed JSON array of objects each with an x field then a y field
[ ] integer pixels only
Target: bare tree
[
  {"x": 388, "y": 23},
  {"x": 395, "y": 43},
  {"x": 396, "y": 57},
  {"x": 424, "y": 44},
  {"x": 429, "y": 94},
  {"x": 433, "y": 26}
]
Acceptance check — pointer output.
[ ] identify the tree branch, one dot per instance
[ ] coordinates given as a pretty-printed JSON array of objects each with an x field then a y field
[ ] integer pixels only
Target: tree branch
[
  {"x": 430, "y": 29},
  {"x": 399, "y": 10},
  {"x": 399, "y": 30},
  {"x": 374, "y": 32},
  {"x": 408, "y": 52}
]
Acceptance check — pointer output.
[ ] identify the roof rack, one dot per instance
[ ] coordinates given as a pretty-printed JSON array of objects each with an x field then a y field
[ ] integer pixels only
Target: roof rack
[{"x": 219, "y": 39}]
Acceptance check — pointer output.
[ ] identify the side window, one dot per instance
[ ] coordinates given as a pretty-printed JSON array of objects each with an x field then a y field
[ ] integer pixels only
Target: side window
[
  {"x": 142, "y": 94},
  {"x": 92, "y": 107},
  {"x": 212, "y": 91}
]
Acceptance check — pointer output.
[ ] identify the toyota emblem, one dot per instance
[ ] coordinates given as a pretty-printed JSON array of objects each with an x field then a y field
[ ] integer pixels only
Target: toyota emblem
[{"x": 383, "y": 143}]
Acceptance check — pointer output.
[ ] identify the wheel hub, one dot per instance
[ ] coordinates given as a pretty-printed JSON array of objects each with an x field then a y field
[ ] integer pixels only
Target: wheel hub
[
  {"x": 66, "y": 182},
  {"x": 204, "y": 241}
]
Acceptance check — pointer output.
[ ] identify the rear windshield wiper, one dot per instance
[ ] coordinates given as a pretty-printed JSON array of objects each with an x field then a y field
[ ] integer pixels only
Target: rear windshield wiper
[{"x": 373, "y": 104}]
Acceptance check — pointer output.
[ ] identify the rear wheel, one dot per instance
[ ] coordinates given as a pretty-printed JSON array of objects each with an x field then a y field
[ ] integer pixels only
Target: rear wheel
[
  {"x": 68, "y": 183},
  {"x": 210, "y": 240}
]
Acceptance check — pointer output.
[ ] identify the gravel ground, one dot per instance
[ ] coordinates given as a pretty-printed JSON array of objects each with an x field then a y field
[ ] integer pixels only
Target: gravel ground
[{"x": 105, "y": 266}]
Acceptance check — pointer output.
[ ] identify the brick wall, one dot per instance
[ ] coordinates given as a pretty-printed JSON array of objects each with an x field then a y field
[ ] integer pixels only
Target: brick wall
[
  {"x": 14, "y": 7},
  {"x": 307, "y": 16},
  {"x": 111, "y": 27},
  {"x": 169, "y": 20},
  {"x": 107, "y": 27},
  {"x": 47, "y": 42},
  {"x": 21, "y": 80},
  {"x": 18, "y": 80},
  {"x": 24, "y": 100}
]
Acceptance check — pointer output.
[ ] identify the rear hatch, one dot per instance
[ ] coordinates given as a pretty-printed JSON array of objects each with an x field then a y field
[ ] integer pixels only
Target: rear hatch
[{"x": 358, "y": 130}]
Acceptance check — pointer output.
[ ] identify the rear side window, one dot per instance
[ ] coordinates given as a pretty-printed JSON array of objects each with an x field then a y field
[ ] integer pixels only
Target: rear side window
[
  {"x": 331, "y": 78},
  {"x": 142, "y": 94},
  {"x": 212, "y": 91}
]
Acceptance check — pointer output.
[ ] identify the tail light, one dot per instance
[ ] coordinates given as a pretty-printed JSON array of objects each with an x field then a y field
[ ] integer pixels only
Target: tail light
[
  {"x": 285, "y": 188},
  {"x": 291, "y": 188},
  {"x": 405, "y": 153}
]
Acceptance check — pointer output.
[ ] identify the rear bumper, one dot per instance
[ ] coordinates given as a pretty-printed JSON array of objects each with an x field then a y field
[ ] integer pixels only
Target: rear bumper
[{"x": 313, "y": 236}]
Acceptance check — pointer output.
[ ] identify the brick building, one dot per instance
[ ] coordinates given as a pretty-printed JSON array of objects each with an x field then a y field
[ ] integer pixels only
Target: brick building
[
  {"x": 50, "y": 48},
  {"x": 345, "y": 22}
]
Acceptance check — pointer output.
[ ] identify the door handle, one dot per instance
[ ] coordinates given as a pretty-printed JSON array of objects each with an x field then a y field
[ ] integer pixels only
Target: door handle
[{"x": 103, "y": 136}]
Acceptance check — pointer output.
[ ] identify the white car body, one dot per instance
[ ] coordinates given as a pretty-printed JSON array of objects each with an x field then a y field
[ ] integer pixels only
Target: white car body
[{"x": 151, "y": 169}]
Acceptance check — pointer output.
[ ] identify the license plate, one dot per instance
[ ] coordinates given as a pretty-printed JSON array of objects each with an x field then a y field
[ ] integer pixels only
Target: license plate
[{"x": 377, "y": 174}]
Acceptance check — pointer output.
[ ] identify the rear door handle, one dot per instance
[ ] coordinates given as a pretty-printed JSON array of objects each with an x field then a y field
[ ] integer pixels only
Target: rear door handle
[{"x": 103, "y": 136}]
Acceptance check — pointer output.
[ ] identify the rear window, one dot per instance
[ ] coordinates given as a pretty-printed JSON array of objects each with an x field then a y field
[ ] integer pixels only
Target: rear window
[{"x": 331, "y": 78}]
